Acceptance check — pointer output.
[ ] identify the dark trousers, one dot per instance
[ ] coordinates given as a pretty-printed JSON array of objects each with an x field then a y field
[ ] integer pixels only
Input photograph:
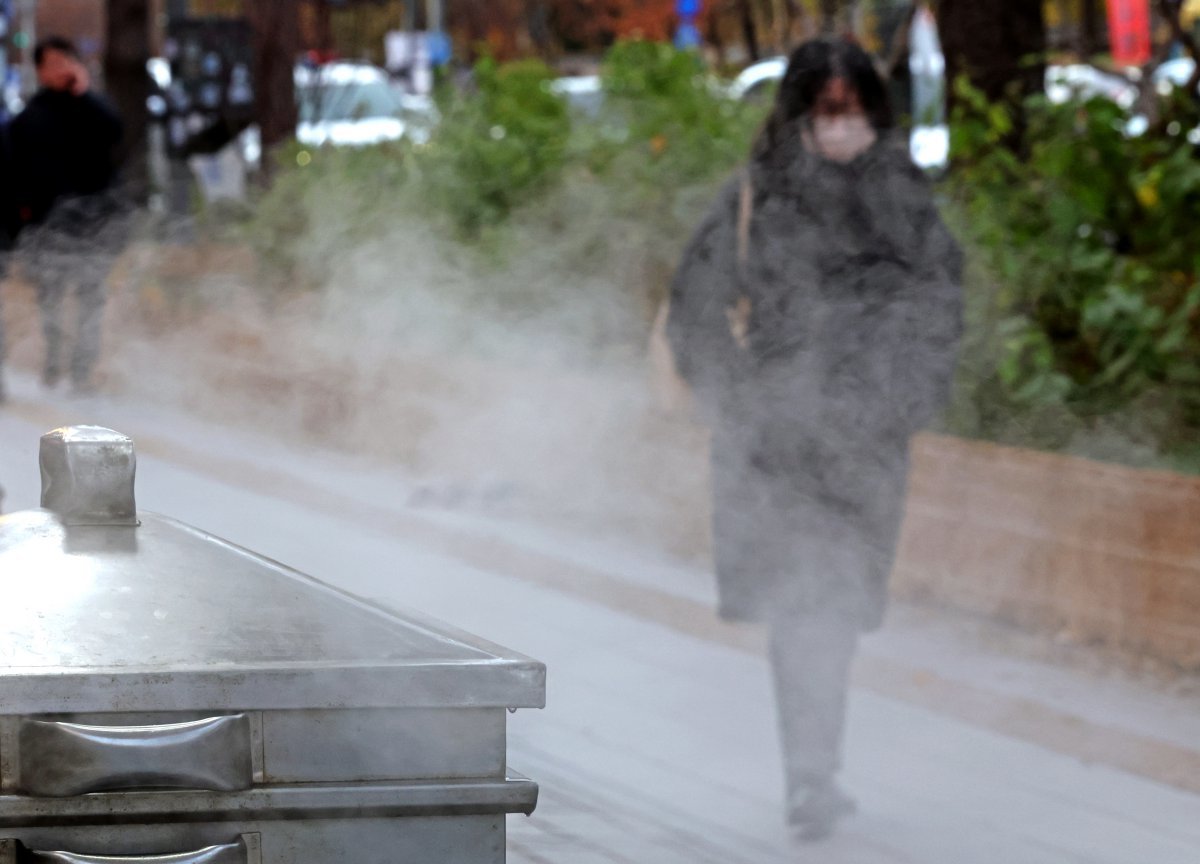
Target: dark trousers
[
  {"x": 58, "y": 268},
  {"x": 810, "y": 666},
  {"x": 4, "y": 258},
  {"x": 5, "y": 261}
]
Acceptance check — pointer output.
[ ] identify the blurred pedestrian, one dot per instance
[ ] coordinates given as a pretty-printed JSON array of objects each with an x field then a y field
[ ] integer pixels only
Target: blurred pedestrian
[
  {"x": 816, "y": 315},
  {"x": 64, "y": 153}
]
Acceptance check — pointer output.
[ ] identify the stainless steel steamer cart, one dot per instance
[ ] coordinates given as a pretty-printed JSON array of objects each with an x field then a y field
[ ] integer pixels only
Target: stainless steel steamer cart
[{"x": 166, "y": 696}]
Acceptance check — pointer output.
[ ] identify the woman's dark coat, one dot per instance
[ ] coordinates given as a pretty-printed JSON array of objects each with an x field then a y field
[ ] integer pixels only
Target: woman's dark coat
[{"x": 853, "y": 285}]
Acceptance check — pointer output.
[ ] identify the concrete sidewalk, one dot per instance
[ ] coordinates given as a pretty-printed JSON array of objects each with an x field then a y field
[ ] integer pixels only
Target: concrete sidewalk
[{"x": 658, "y": 744}]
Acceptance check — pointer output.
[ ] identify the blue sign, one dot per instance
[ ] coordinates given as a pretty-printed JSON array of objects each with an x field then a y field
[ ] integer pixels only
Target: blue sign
[
  {"x": 441, "y": 49},
  {"x": 687, "y": 36}
]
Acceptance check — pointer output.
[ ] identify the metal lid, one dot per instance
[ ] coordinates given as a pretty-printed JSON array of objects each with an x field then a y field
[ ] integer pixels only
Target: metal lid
[{"x": 106, "y": 613}]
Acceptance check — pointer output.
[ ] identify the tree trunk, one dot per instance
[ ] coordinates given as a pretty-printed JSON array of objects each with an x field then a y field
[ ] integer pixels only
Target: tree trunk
[
  {"x": 537, "y": 20},
  {"x": 128, "y": 86},
  {"x": 414, "y": 16},
  {"x": 276, "y": 27},
  {"x": 1089, "y": 30},
  {"x": 801, "y": 28},
  {"x": 829, "y": 17},
  {"x": 1000, "y": 47},
  {"x": 324, "y": 26},
  {"x": 749, "y": 30},
  {"x": 713, "y": 37},
  {"x": 793, "y": 21}
]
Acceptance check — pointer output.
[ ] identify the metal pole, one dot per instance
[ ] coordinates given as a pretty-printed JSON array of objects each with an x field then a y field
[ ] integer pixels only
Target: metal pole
[{"x": 28, "y": 15}]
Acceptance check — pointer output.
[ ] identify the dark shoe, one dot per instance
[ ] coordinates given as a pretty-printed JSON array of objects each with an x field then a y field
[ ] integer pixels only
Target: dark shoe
[{"x": 815, "y": 812}]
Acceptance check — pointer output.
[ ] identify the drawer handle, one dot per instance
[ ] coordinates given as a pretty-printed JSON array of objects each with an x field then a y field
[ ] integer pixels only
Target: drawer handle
[
  {"x": 64, "y": 759},
  {"x": 245, "y": 851}
]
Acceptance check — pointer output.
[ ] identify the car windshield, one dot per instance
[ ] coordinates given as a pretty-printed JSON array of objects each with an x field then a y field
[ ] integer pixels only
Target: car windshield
[{"x": 331, "y": 103}]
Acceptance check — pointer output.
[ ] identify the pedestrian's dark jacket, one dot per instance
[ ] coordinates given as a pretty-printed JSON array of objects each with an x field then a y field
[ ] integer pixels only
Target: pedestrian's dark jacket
[
  {"x": 852, "y": 284},
  {"x": 64, "y": 150},
  {"x": 9, "y": 216}
]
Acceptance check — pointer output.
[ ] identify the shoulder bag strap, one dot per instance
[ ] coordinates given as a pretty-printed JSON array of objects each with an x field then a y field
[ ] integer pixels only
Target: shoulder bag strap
[{"x": 740, "y": 313}]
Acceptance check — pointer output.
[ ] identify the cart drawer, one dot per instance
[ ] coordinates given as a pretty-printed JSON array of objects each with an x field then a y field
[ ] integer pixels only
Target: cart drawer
[
  {"x": 433, "y": 840},
  {"x": 245, "y": 850},
  {"x": 59, "y": 759}
]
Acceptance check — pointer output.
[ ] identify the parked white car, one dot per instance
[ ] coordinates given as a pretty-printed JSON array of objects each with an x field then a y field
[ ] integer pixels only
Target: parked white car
[
  {"x": 1174, "y": 73},
  {"x": 1078, "y": 80},
  {"x": 583, "y": 93},
  {"x": 756, "y": 80},
  {"x": 355, "y": 104}
]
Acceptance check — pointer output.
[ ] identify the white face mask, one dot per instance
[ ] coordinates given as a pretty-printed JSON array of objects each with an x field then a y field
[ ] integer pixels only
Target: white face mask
[{"x": 842, "y": 138}]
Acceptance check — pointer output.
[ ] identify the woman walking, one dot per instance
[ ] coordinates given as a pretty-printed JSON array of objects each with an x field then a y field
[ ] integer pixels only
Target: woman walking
[{"x": 816, "y": 315}]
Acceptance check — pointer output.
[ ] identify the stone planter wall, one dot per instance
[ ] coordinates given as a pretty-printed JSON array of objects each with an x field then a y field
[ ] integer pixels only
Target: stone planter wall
[{"x": 1098, "y": 552}]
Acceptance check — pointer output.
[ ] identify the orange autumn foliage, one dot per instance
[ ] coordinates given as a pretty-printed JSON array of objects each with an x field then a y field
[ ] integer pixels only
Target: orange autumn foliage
[{"x": 601, "y": 22}]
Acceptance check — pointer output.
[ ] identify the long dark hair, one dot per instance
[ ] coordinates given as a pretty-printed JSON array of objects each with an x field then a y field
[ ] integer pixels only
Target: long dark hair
[{"x": 810, "y": 68}]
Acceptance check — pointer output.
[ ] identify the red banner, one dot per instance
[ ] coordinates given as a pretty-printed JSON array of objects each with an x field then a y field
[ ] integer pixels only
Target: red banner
[{"x": 1129, "y": 31}]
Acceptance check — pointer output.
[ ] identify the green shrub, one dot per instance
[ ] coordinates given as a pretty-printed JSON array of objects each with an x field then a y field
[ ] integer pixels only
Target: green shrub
[
  {"x": 665, "y": 137},
  {"x": 321, "y": 203},
  {"x": 574, "y": 220},
  {"x": 1087, "y": 245},
  {"x": 498, "y": 147},
  {"x": 675, "y": 125}
]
